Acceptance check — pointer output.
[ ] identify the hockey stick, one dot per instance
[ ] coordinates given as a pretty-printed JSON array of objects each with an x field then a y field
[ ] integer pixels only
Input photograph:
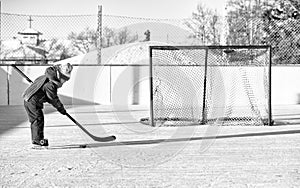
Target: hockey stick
[{"x": 95, "y": 138}]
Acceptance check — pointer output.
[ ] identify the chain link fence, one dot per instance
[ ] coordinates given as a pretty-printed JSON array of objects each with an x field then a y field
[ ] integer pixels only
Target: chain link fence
[
  {"x": 38, "y": 38},
  {"x": 43, "y": 39},
  {"x": 47, "y": 38},
  {"x": 282, "y": 35}
]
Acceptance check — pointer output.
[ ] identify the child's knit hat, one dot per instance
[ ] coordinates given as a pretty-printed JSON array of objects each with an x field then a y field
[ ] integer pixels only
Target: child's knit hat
[{"x": 64, "y": 70}]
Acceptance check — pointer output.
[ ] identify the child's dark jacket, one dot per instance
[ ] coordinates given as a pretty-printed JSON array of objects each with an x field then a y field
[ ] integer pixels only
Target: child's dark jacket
[{"x": 44, "y": 89}]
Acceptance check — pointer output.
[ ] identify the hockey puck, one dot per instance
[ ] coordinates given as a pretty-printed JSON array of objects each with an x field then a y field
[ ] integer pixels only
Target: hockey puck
[{"x": 82, "y": 146}]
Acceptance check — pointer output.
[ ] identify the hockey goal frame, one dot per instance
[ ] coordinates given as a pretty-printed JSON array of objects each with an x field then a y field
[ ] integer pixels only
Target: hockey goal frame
[{"x": 268, "y": 48}]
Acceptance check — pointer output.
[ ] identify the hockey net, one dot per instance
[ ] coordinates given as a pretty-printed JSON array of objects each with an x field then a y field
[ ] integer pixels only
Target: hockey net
[{"x": 223, "y": 85}]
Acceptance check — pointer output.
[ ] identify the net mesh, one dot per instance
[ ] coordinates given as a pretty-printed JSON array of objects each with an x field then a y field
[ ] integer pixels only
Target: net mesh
[{"x": 215, "y": 85}]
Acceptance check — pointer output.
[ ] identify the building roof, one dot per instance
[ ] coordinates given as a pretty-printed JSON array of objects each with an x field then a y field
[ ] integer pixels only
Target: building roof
[
  {"x": 30, "y": 31},
  {"x": 23, "y": 52}
]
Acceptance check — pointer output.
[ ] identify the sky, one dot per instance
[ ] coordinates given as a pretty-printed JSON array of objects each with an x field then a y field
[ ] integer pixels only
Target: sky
[{"x": 171, "y": 9}]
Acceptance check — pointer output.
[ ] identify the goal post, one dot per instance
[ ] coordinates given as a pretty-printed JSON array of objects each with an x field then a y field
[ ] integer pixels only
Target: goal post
[{"x": 223, "y": 85}]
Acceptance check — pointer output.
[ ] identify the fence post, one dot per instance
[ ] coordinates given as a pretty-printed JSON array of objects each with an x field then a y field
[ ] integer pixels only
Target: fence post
[
  {"x": 270, "y": 87},
  {"x": 99, "y": 34},
  {"x": 204, "y": 109},
  {"x": 7, "y": 81},
  {"x": 7, "y": 84}
]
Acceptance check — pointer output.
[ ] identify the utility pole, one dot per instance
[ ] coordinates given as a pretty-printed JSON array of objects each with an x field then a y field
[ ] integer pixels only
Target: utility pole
[
  {"x": 251, "y": 22},
  {"x": 99, "y": 32}
]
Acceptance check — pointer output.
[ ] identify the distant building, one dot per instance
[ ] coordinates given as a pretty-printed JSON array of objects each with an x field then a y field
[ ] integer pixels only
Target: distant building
[
  {"x": 30, "y": 36},
  {"x": 26, "y": 50}
]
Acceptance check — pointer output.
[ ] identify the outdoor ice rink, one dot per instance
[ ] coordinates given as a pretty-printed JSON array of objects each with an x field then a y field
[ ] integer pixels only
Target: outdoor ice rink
[
  {"x": 143, "y": 156},
  {"x": 198, "y": 93}
]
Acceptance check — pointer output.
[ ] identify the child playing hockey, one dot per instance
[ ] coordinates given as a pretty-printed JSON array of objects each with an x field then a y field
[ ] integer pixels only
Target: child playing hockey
[{"x": 42, "y": 90}]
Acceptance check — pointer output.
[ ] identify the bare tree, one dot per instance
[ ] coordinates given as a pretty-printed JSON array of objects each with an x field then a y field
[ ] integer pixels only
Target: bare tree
[
  {"x": 244, "y": 19},
  {"x": 108, "y": 36},
  {"x": 124, "y": 36},
  {"x": 85, "y": 40},
  {"x": 205, "y": 25},
  {"x": 282, "y": 30},
  {"x": 56, "y": 49}
]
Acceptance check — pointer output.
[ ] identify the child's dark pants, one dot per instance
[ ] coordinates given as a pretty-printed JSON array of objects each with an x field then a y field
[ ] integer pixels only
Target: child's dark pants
[{"x": 36, "y": 118}]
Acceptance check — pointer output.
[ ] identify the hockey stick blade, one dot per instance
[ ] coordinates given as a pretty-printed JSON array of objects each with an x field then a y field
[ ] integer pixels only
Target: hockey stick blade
[
  {"x": 95, "y": 138},
  {"x": 72, "y": 146}
]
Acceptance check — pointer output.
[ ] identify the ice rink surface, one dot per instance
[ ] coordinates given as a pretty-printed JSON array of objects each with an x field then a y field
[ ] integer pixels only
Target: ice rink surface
[{"x": 144, "y": 156}]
